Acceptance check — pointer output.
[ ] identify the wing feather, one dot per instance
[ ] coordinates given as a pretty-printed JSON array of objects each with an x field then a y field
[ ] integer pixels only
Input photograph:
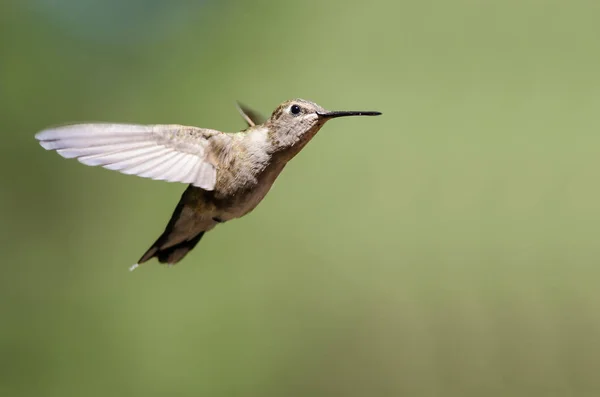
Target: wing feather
[{"x": 174, "y": 153}]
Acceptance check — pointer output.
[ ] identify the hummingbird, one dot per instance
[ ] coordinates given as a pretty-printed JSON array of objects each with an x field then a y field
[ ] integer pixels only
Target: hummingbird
[{"x": 228, "y": 174}]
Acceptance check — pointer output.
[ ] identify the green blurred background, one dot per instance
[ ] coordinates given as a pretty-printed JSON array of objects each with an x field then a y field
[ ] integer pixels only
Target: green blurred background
[{"x": 446, "y": 248}]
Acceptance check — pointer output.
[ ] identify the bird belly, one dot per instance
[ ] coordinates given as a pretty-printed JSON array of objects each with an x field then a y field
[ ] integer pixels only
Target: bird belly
[{"x": 246, "y": 200}]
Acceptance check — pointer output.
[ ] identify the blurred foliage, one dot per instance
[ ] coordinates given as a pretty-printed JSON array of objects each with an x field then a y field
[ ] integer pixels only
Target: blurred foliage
[{"x": 447, "y": 248}]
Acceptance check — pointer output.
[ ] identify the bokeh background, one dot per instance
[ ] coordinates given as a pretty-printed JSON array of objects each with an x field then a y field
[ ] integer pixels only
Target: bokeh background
[{"x": 447, "y": 248}]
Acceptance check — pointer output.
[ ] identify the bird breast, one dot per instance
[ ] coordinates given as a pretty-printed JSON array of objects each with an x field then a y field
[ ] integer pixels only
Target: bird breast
[{"x": 245, "y": 173}]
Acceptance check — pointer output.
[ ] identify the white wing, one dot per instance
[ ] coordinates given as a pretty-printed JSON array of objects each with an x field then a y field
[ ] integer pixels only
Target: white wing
[{"x": 174, "y": 153}]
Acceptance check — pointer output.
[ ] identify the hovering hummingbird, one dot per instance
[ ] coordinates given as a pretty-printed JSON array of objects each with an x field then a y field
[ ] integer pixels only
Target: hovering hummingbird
[{"x": 228, "y": 173}]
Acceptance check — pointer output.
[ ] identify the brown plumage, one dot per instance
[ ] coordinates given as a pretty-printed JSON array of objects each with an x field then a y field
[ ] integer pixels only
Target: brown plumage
[{"x": 228, "y": 173}]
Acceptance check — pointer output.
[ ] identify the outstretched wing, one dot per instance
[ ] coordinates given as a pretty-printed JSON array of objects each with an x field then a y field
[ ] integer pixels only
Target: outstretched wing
[
  {"x": 251, "y": 116},
  {"x": 173, "y": 153}
]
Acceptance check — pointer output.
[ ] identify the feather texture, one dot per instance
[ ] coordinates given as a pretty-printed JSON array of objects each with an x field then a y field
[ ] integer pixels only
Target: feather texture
[{"x": 173, "y": 153}]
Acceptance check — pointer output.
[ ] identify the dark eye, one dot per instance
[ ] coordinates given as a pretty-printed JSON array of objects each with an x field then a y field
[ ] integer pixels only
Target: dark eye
[{"x": 295, "y": 109}]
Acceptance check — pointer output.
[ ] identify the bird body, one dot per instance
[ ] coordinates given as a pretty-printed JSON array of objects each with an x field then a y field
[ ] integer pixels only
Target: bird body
[{"x": 228, "y": 174}]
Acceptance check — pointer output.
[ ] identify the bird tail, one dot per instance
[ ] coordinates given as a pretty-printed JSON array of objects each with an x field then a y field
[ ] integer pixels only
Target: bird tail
[
  {"x": 171, "y": 254},
  {"x": 183, "y": 232}
]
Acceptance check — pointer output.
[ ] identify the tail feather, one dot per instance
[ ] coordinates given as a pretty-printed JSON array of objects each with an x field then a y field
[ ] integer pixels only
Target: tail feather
[
  {"x": 176, "y": 253},
  {"x": 171, "y": 254},
  {"x": 184, "y": 230}
]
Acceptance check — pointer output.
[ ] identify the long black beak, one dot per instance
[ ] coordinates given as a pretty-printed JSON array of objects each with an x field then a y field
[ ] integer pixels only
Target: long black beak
[{"x": 331, "y": 115}]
